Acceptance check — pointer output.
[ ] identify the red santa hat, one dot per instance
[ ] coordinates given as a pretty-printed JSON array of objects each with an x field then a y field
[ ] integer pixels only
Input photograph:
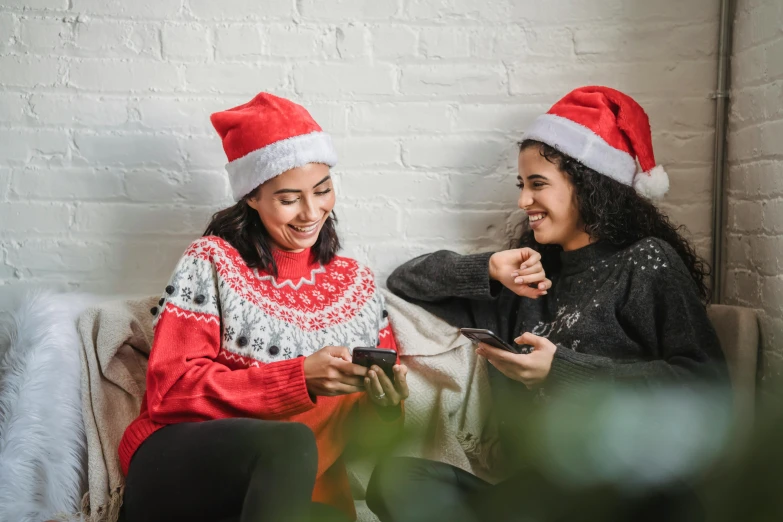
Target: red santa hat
[
  {"x": 607, "y": 131},
  {"x": 267, "y": 136}
]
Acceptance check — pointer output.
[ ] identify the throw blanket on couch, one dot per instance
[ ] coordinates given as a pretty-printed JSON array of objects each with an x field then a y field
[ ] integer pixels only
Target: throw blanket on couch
[
  {"x": 448, "y": 407},
  {"x": 116, "y": 340}
]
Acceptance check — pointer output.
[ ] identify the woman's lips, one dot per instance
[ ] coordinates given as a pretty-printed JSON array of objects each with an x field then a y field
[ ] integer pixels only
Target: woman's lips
[{"x": 536, "y": 218}]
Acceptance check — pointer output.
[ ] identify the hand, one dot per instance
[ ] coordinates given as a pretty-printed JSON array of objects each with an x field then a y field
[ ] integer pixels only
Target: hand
[
  {"x": 329, "y": 371},
  {"x": 520, "y": 271},
  {"x": 380, "y": 388},
  {"x": 531, "y": 369}
]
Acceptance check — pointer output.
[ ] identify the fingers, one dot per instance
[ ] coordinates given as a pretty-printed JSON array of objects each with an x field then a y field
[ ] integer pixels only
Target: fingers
[
  {"x": 528, "y": 338},
  {"x": 401, "y": 380},
  {"x": 529, "y": 257},
  {"x": 538, "y": 267},
  {"x": 342, "y": 388},
  {"x": 530, "y": 278},
  {"x": 529, "y": 292},
  {"x": 346, "y": 372},
  {"x": 490, "y": 352},
  {"x": 349, "y": 368},
  {"x": 373, "y": 385},
  {"x": 351, "y": 380},
  {"x": 386, "y": 384},
  {"x": 340, "y": 352}
]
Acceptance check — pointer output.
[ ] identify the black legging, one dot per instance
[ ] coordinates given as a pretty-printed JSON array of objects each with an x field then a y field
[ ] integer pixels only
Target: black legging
[
  {"x": 417, "y": 490},
  {"x": 242, "y": 470}
]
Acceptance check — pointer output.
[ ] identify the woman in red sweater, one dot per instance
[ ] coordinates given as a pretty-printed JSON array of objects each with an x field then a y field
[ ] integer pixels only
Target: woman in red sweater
[{"x": 250, "y": 382}]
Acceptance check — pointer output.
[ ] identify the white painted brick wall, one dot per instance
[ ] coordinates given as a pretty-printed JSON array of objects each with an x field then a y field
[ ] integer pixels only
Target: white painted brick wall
[
  {"x": 109, "y": 166},
  {"x": 755, "y": 218}
]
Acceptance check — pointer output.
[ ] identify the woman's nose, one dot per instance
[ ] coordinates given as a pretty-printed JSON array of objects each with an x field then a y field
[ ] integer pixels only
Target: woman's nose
[
  {"x": 525, "y": 199},
  {"x": 310, "y": 210}
]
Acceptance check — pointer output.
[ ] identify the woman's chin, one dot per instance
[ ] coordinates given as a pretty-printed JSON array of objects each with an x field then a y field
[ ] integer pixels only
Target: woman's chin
[
  {"x": 297, "y": 246},
  {"x": 294, "y": 244},
  {"x": 540, "y": 237}
]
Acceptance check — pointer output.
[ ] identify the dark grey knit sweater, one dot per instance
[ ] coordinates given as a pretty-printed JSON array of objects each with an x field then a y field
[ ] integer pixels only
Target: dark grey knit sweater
[
  {"x": 621, "y": 315},
  {"x": 632, "y": 314}
]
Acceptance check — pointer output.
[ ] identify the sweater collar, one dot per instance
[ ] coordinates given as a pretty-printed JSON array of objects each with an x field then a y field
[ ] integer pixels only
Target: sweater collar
[
  {"x": 581, "y": 259},
  {"x": 294, "y": 265}
]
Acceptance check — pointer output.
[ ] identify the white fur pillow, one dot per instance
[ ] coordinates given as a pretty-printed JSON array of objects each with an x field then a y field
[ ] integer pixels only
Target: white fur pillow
[{"x": 42, "y": 442}]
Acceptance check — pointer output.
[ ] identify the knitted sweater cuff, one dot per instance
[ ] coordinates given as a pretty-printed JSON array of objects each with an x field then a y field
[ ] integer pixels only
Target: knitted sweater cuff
[
  {"x": 284, "y": 387},
  {"x": 570, "y": 368},
  {"x": 472, "y": 277}
]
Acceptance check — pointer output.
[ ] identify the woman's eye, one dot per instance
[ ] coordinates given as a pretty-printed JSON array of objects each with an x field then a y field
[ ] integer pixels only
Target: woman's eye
[
  {"x": 537, "y": 184},
  {"x": 287, "y": 201},
  {"x": 323, "y": 192},
  {"x": 520, "y": 186}
]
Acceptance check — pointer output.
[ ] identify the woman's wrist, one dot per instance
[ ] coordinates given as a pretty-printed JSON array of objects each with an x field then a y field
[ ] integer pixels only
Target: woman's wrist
[{"x": 491, "y": 268}]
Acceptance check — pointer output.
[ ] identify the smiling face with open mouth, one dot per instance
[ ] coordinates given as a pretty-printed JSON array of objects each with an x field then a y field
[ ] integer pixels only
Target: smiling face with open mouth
[
  {"x": 547, "y": 196},
  {"x": 295, "y": 205}
]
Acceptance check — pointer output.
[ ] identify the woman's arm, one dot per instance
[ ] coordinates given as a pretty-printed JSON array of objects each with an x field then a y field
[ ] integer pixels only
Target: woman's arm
[
  {"x": 448, "y": 285},
  {"x": 443, "y": 275},
  {"x": 464, "y": 289},
  {"x": 185, "y": 382}
]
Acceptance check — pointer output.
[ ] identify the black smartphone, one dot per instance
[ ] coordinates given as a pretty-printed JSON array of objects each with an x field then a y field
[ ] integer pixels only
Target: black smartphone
[
  {"x": 384, "y": 359},
  {"x": 480, "y": 335}
]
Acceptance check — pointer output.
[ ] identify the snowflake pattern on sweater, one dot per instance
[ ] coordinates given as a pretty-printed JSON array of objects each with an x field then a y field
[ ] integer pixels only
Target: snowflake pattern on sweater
[{"x": 264, "y": 319}]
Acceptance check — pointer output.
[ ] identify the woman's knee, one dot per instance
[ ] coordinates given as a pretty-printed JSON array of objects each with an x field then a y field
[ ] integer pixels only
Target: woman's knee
[
  {"x": 387, "y": 480},
  {"x": 291, "y": 444},
  {"x": 296, "y": 435}
]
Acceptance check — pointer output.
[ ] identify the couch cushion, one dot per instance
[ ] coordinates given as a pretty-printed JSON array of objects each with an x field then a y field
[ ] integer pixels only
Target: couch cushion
[{"x": 738, "y": 331}]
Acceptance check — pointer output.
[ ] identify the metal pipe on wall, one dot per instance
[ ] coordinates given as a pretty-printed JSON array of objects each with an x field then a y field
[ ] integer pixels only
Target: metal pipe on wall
[{"x": 719, "y": 196}]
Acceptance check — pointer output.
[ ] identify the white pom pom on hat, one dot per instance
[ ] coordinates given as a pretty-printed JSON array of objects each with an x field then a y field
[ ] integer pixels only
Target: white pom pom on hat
[
  {"x": 607, "y": 131},
  {"x": 652, "y": 184}
]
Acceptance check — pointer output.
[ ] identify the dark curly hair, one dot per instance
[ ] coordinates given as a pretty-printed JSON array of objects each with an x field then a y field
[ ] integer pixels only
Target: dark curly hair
[
  {"x": 616, "y": 213},
  {"x": 241, "y": 226}
]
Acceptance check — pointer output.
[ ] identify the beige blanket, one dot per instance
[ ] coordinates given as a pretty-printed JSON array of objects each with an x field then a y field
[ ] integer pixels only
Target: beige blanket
[
  {"x": 449, "y": 403},
  {"x": 116, "y": 340},
  {"x": 447, "y": 408}
]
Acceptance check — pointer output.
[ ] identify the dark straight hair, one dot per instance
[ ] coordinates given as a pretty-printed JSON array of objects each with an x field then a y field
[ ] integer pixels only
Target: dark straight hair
[{"x": 241, "y": 226}]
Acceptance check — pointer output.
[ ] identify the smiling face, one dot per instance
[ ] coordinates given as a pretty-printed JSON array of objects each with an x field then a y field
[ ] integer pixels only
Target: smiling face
[
  {"x": 547, "y": 195},
  {"x": 295, "y": 205}
]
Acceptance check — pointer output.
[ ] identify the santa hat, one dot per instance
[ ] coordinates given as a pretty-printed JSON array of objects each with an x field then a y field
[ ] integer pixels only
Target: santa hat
[
  {"x": 267, "y": 136},
  {"x": 607, "y": 131}
]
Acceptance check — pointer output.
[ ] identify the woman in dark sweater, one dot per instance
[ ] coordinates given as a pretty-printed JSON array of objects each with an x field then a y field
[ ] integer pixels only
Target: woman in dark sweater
[{"x": 603, "y": 288}]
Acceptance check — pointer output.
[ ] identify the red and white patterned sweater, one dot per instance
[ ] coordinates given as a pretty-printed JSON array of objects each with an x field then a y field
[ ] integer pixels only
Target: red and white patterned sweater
[{"x": 229, "y": 339}]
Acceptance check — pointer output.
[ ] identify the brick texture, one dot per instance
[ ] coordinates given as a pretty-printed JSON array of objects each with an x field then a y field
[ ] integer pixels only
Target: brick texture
[
  {"x": 109, "y": 165},
  {"x": 755, "y": 213}
]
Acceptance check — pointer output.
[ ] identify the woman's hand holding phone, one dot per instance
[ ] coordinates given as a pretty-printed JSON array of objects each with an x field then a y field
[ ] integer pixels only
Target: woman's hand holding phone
[
  {"x": 329, "y": 372},
  {"x": 520, "y": 271},
  {"x": 531, "y": 369},
  {"x": 382, "y": 391}
]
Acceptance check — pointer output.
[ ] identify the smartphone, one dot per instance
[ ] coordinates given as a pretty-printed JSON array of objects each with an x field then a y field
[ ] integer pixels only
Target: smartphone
[
  {"x": 384, "y": 359},
  {"x": 480, "y": 335}
]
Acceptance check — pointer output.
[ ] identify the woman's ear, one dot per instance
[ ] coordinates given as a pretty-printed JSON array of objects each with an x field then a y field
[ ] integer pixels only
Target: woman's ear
[{"x": 252, "y": 199}]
